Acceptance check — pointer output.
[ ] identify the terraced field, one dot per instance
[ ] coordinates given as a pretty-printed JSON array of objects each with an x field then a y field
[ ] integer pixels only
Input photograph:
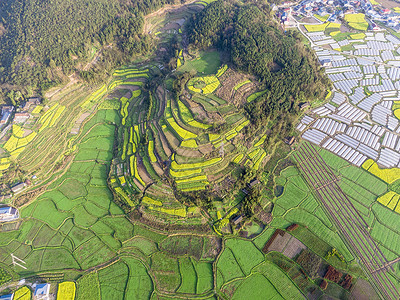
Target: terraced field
[
  {"x": 146, "y": 196},
  {"x": 48, "y": 131},
  {"x": 139, "y": 147},
  {"x": 173, "y": 146},
  {"x": 113, "y": 215}
]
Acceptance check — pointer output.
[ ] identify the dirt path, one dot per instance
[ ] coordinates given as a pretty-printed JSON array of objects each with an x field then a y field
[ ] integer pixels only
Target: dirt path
[
  {"x": 143, "y": 172},
  {"x": 13, "y": 284},
  {"x": 163, "y": 140},
  {"x": 386, "y": 266},
  {"x": 168, "y": 8},
  {"x": 95, "y": 58},
  {"x": 73, "y": 78}
]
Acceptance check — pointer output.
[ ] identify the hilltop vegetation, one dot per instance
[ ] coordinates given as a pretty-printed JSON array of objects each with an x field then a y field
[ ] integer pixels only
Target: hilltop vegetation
[
  {"x": 215, "y": 134},
  {"x": 256, "y": 45}
]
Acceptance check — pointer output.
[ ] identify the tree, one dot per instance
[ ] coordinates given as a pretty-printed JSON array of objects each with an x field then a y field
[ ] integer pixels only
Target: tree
[{"x": 289, "y": 72}]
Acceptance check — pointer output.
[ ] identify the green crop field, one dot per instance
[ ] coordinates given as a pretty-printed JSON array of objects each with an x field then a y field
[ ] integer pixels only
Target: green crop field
[
  {"x": 256, "y": 287},
  {"x": 297, "y": 205},
  {"x": 113, "y": 281},
  {"x": 156, "y": 184},
  {"x": 207, "y": 63}
]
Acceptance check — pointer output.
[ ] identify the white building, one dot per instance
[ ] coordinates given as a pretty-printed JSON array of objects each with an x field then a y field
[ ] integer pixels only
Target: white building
[
  {"x": 42, "y": 291},
  {"x": 8, "y": 213}
]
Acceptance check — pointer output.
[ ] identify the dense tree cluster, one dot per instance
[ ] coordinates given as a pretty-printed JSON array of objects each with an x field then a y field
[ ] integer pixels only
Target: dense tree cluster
[
  {"x": 41, "y": 41},
  {"x": 258, "y": 45},
  {"x": 51, "y": 33},
  {"x": 310, "y": 262},
  {"x": 4, "y": 276},
  {"x": 179, "y": 83}
]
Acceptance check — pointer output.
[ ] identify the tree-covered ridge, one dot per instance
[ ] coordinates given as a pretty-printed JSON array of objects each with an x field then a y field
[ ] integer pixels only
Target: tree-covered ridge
[
  {"x": 42, "y": 40},
  {"x": 257, "y": 45},
  {"x": 43, "y": 33}
]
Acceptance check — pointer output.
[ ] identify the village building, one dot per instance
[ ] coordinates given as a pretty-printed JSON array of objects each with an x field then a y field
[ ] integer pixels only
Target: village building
[
  {"x": 5, "y": 197},
  {"x": 42, "y": 291},
  {"x": 375, "y": 27},
  {"x": 326, "y": 62},
  {"x": 287, "y": 3},
  {"x": 8, "y": 213},
  {"x": 6, "y": 112},
  {"x": 236, "y": 220},
  {"x": 254, "y": 182},
  {"x": 18, "y": 187},
  {"x": 35, "y": 100},
  {"x": 290, "y": 140},
  {"x": 32, "y": 102},
  {"x": 21, "y": 117}
]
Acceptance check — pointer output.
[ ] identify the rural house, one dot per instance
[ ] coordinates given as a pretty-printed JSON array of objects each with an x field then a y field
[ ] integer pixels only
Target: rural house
[
  {"x": 18, "y": 187},
  {"x": 31, "y": 102},
  {"x": 41, "y": 291},
  {"x": 6, "y": 113},
  {"x": 21, "y": 117},
  {"x": 8, "y": 213}
]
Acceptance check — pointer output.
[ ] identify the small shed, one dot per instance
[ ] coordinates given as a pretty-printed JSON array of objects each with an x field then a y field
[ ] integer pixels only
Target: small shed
[
  {"x": 326, "y": 63},
  {"x": 292, "y": 227},
  {"x": 18, "y": 187},
  {"x": 304, "y": 105},
  {"x": 323, "y": 285},
  {"x": 236, "y": 220},
  {"x": 290, "y": 140}
]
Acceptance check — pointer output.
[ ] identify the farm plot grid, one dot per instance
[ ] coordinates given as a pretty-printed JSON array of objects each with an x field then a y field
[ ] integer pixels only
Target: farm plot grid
[
  {"x": 352, "y": 226},
  {"x": 360, "y": 121}
]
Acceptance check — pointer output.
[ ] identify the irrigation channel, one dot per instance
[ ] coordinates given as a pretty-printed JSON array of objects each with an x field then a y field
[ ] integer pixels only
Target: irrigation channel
[{"x": 351, "y": 225}]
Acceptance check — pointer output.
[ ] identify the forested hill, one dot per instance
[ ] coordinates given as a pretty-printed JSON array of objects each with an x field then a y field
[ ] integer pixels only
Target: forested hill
[
  {"x": 41, "y": 40},
  {"x": 258, "y": 45}
]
